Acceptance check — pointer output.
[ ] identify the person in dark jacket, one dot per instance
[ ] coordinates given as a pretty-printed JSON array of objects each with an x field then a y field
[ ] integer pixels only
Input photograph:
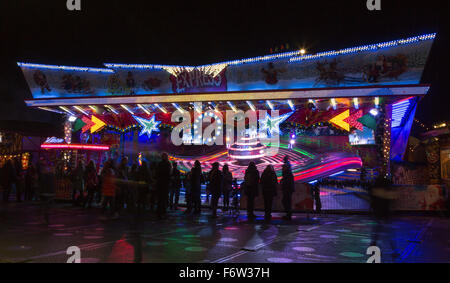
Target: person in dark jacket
[
  {"x": 31, "y": 178},
  {"x": 196, "y": 183},
  {"x": 122, "y": 173},
  {"x": 144, "y": 179},
  {"x": 175, "y": 186},
  {"x": 162, "y": 184},
  {"x": 215, "y": 182},
  {"x": 188, "y": 192},
  {"x": 287, "y": 186},
  {"x": 269, "y": 184},
  {"x": 315, "y": 189},
  {"x": 251, "y": 181},
  {"x": 227, "y": 186},
  {"x": 91, "y": 182}
]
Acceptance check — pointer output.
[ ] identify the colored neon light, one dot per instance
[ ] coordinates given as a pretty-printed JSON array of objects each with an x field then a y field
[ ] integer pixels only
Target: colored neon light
[
  {"x": 352, "y": 120},
  {"x": 144, "y": 109},
  {"x": 88, "y": 123},
  {"x": 339, "y": 120},
  {"x": 80, "y": 110},
  {"x": 272, "y": 125},
  {"x": 113, "y": 110},
  {"x": 148, "y": 126},
  {"x": 333, "y": 103},
  {"x": 161, "y": 108},
  {"x": 98, "y": 124},
  {"x": 251, "y": 105},
  {"x": 94, "y": 124},
  {"x": 399, "y": 110},
  {"x": 67, "y": 110},
  {"x": 126, "y": 108},
  {"x": 291, "y": 105},
  {"x": 246, "y": 156},
  {"x": 75, "y": 146},
  {"x": 232, "y": 106}
]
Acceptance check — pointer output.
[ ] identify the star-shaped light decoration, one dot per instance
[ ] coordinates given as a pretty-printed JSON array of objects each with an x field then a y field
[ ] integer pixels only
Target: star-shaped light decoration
[
  {"x": 272, "y": 125},
  {"x": 148, "y": 126}
]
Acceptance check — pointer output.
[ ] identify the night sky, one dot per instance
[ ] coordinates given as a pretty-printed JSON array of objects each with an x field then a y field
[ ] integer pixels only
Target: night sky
[{"x": 200, "y": 32}]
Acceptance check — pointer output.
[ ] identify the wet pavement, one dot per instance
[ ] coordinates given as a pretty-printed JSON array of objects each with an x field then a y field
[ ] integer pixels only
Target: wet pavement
[{"x": 180, "y": 238}]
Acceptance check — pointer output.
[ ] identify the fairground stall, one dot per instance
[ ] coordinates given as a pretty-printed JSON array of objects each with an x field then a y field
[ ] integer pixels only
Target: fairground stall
[{"x": 338, "y": 111}]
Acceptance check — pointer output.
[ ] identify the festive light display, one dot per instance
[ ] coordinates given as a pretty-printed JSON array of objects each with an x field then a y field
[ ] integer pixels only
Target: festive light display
[
  {"x": 251, "y": 105},
  {"x": 333, "y": 103},
  {"x": 94, "y": 124},
  {"x": 127, "y": 108},
  {"x": 291, "y": 105},
  {"x": 372, "y": 47},
  {"x": 25, "y": 160},
  {"x": 272, "y": 125},
  {"x": 399, "y": 110},
  {"x": 338, "y": 120},
  {"x": 232, "y": 106},
  {"x": 144, "y": 109},
  {"x": 113, "y": 110},
  {"x": 68, "y": 132},
  {"x": 66, "y": 68},
  {"x": 80, "y": 110},
  {"x": 178, "y": 107},
  {"x": 161, "y": 108},
  {"x": 67, "y": 110},
  {"x": 352, "y": 120},
  {"x": 198, "y": 127},
  {"x": 75, "y": 146},
  {"x": 148, "y": 126},
  {"x": 93, "y": 108}
]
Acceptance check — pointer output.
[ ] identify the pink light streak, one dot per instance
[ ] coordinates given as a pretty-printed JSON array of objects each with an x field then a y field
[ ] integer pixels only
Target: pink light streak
[{"x": 75, "y": 146}]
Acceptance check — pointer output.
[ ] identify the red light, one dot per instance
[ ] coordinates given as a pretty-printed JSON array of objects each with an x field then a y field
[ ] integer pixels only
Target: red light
[{"x": 75, "y": 146}]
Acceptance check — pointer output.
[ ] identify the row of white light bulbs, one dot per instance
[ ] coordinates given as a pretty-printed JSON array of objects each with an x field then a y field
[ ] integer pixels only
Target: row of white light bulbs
[{"x": 214, "y": 107}]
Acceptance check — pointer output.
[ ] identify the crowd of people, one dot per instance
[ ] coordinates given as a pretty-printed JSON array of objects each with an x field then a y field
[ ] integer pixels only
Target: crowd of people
[{"x": 153, "y": 186}]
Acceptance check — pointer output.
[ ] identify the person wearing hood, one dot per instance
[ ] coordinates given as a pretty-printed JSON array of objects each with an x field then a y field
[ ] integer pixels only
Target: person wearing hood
[{"x": 269, "y": 184}]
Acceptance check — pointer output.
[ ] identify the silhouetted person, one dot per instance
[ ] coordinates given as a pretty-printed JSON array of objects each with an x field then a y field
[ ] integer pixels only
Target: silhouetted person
[
  {"x": 162, "y": 184},
  {"x": 215, "y": 185},
  {"x": 91, "y": 182},
  {"x": 30, "y": 182},
  {"x": 133, "y": 187},
  {"x": 188, "y": 192},
  {"x": 251, "y": 181},
  {"x": 109, "y": 188},
  {"x": 122, "y": 174},
  {"x": 175, "y": 186},
  {"x": 153, "y": 192},
  {"x": 227, "y": 186},
  {"x": 143, "y": 177},
  {"x": 78, "y": 183},
  {"x": 269, "y": 184},
  {"x": 316, "y": 195},
  {"x": 196, "y": 183},
  {"x": 287, "y": 186}
]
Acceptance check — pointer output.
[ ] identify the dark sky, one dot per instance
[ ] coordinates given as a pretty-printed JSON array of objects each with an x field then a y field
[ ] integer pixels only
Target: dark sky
[{"x": 199, "y": 32}]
